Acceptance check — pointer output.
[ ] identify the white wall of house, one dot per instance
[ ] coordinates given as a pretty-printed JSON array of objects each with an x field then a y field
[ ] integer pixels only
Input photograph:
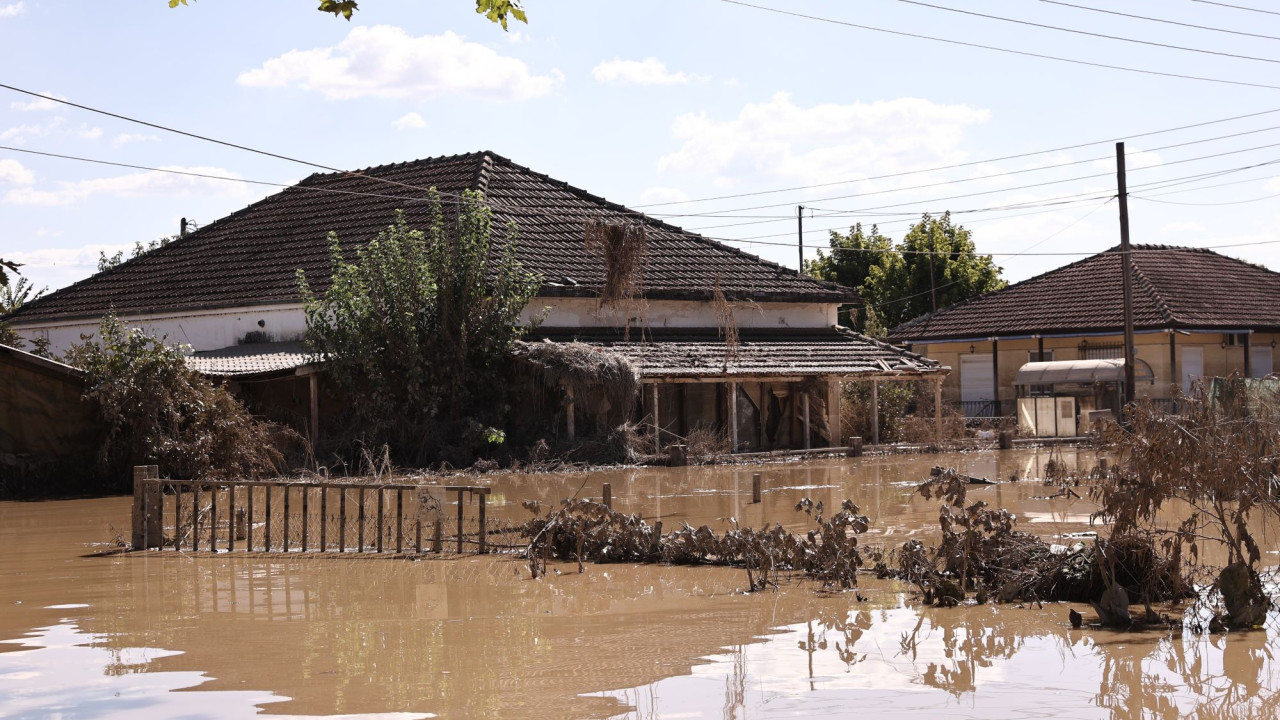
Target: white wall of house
[{"x": 215, "y": 329}]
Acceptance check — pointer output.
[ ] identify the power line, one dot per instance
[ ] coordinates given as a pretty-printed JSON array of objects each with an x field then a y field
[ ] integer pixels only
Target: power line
[
  {"x": 1023, "y": 53},
  {"x": 788, "y": 218},
  {"x": 1237, "y": 7},
  {"x": 1088, "y": 33},
  {"x": 1207, "y": 204},
  {"x": 1161, "y": 20},
  {"x": 990, "y": 192},
  {"x": 963, "y": 164}
]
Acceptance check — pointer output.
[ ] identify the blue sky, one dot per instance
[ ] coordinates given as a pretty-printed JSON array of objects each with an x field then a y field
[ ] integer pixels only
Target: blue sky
[{"x": 647, "y": 102}]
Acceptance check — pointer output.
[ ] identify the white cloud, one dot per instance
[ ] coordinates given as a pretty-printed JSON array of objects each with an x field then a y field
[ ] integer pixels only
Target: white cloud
[
  {"x": 13, "y": 173},
  {"x": 149, "y": 184},
  {"x": 650, "y": 71},
  {"x": 779, "y": 141},
  {"x": 41, "y": 103},
  {"x": 12, "y": 9},
  {"x": 385, "y": 61},
  {"x": 59, "y": 267},
  {"x": 126, "y": 138},
  {"x": 655, "y": 195},
  {"x": 19, "y": 134},
  {"x": 410, "y": 121}
]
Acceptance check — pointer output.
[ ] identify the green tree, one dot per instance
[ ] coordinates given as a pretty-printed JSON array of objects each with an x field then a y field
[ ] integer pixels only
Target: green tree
[
  {"x": 850, "y": 261},
  {"x": 417, "y": 331},
  {"x": 936, "y": 265},
  {"x": 496, "y": 11},
  {"x": 6, "y": 267},
  {"x": 14, "y": 295}
]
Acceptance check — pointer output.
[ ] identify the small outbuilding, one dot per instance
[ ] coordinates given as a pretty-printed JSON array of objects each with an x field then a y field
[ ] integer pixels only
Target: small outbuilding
[{"x": 1064, "y": 398}]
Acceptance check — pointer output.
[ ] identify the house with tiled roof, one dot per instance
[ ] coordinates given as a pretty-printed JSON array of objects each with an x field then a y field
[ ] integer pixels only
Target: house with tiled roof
[
  {"x": 1197, "y": 313},
  {"x": 229, "y": 290}
]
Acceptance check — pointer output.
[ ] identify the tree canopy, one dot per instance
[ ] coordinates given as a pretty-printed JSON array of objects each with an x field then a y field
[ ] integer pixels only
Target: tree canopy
[
  {"x": 934, "y": 266},
  {"x": 496, "y": 11},
  {"x": 418, "y": 330}
]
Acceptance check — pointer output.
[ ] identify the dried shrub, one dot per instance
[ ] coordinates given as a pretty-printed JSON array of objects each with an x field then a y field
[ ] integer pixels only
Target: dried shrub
[
  {"x": 981, "y": 550},
  {"x": 1215, "y": 462},
  {"x": 586, "y": 531},
  {"x": 158, "y": 411},
  {"x": 726, "y": 321},
  {"x": 623, "y": 248},
  {"x": 598, "y": 378}
]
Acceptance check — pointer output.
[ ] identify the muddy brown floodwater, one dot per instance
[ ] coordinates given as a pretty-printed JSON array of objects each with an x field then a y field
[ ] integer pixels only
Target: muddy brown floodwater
[{"x": 226, "y": 636}]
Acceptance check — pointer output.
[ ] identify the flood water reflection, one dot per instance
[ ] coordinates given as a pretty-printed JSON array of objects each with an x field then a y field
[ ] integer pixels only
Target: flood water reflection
[{"x": 239, "y": 635}]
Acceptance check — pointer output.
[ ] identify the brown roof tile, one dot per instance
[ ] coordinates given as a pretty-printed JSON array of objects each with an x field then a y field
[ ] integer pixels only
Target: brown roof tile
[
  {"x": 252, "y": 255},
  {"x": 1173, "y": 287}
]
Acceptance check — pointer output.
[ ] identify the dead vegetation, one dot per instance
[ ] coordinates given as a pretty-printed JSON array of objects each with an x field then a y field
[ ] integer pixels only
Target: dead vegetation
[
  {"x": 623, "y": 247},
  {"x": 1214, "y": 464},
  {"x": 982, "y": 553},
  {"x": 586, "y": 531}
]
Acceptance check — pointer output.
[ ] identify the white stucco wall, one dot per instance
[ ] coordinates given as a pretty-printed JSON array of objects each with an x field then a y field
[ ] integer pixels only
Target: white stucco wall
[
  {"x": 202, "y": 330},
  {"x": 214, "y": 329}
]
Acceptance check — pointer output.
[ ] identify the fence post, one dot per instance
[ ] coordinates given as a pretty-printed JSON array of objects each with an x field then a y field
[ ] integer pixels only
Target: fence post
[
  {"x": 757, "y": 487},
  {"x": 148, "y": 508},
  {"x": 484, "y": 535},
  {"x": 854, "y": 448},
  {"x": 607, "y": 496}
]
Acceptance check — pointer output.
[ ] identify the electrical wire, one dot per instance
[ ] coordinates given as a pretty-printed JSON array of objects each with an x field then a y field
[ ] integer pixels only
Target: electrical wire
[
  {"x": 960, "y": 165},
  {"x": 1237, "y": 7},
  {"x": 1161, "y": 20},
  {"x": 994, "y": 48},
  {"x": 1088, "y": 33},
  {"x": 1206, "y": 204}
]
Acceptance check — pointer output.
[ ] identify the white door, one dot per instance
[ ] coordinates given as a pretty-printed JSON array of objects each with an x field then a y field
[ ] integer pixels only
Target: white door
[
  {"x": 1192, "y": 366},
  {"x": 1260, "y": 361},
  {"x": 976, "y": 380},
  {"x": 1066, "y": 417}
]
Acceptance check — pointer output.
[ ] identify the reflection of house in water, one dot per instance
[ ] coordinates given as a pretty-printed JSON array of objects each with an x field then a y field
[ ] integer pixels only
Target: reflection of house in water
[{"x": 230, "y": 291}]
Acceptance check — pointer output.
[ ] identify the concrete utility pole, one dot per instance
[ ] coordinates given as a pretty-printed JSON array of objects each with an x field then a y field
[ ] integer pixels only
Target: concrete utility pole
[
  {"x": 1126, "y": 270},
  {"x": 800, "y": 236}
]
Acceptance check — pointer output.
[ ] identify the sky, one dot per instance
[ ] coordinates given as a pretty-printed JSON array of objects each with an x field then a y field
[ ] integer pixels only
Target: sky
[{"x": 664, "y": 106}]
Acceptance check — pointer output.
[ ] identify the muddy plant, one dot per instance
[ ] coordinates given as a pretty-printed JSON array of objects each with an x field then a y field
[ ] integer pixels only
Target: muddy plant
[
  {"x": 158, "y": 411},
  {"x": 585, "y": 531},
  {"x": 1215, "y": 462},
  {"x": 982, "y": 552}
]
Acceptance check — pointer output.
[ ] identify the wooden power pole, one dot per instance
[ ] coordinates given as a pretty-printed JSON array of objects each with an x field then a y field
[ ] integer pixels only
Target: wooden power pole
[{"x": 1126, "y": 271}]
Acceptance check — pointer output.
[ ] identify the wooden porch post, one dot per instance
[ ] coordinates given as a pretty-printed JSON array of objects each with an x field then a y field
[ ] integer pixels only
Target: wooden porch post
[
  {"x": 1174, "y": 380},
  {"x": 314, "y": 383},
  {"x": 834, "y": 416},
  {"x": 875, "y": 412},
  {"x": 937, "y": 409},
  {"x": 568, "y": 411},
  {"x": 733, "y": 415},
  {"x": 804, "y": 408},
  {"x": 657, "y": 426}
]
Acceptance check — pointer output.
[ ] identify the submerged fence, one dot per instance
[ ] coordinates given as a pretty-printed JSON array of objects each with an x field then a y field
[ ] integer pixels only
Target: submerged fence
[{"x": 319, "y": 517}]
